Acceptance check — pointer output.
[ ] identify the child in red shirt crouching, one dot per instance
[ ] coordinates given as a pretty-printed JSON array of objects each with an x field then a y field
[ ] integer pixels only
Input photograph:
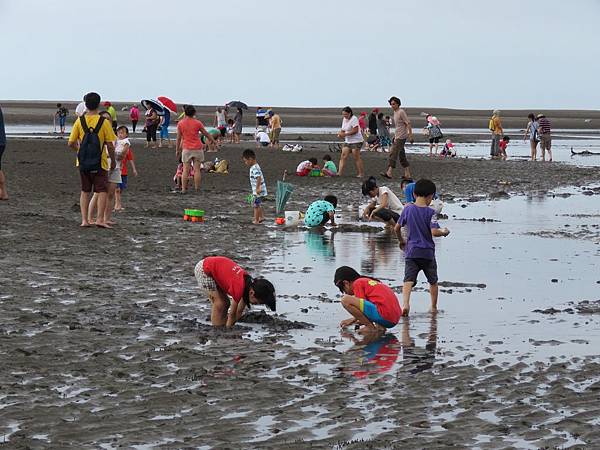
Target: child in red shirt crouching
[
  {"x": 230, "y": 289},
  {"x": 371, "y": 303}
]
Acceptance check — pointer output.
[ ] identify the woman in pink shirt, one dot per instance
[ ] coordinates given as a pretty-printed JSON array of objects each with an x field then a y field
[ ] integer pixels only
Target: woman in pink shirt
[
  {"x": 134, "y": 115},
  {"x": 189, "y": 146}
]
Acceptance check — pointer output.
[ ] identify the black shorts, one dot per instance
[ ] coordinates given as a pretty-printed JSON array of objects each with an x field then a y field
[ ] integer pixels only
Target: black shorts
[
  {"x": 223, "y": 131},
  {"x": 2, "y": 147},
  {"x": 434, "y": 140},
  {"x": 412, "y": 267},
  {"x": 387, "y": 214}
]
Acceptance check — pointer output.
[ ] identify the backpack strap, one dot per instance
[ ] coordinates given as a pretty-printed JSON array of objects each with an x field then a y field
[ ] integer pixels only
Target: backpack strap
[
  {"x": 83, "y": 124},
  {"x": 99, "y": 125}
]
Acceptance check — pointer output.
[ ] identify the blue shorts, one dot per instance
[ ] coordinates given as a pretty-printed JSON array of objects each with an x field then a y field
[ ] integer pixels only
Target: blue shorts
[
  {"x": 123, "y": 183},
  {"x": 370, "y": 311},
  {"x": 61, "y": 121},
  {"x": 164, "y": 132},
  {"x": 257, "y": 202}
]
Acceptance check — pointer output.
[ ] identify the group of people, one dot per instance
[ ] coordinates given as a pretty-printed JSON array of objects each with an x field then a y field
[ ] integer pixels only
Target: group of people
[
  {"x": 268, "y": 128},
  {"x": 538, "y": 131}
]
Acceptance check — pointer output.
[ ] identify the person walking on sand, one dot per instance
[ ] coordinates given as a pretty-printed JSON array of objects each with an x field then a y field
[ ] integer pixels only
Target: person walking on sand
[
  {"x": 419, "y": 248},
  {"x": 189, "y": 146},
  {"x": 531, "y": 133},
  {"x": 3, "y": 191},
  {"x": 231, "y": 289},
  {"x": 403, "y": 133},
  {"x": 372, "y": 304},
  {"x": 151, "y": 125},
  {"x": 275, "y": 126},
  {"x": 495, "y": 126},
  {"x": 89, "y": 135},
  {"x": 237, "y": 125},
  {"x": 113, "y": 114},
  {"x": 545, "y": 133},
  {"x": 353, "y": 141},
  {"x": 164, "y": 123},
  {"x": 134, "y": 115}
]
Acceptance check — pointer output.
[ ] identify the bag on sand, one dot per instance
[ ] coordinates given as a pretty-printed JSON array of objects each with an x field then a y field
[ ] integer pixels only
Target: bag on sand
[
  {"x": 222, "y": 166},
  {"x": 90, "y": 151}
]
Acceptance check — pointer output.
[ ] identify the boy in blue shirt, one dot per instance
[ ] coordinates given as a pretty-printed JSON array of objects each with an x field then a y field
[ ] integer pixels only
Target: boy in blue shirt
[{"x": 419, "y": 248}]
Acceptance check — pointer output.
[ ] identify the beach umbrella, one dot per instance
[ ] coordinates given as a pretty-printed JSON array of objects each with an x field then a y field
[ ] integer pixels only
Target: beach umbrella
[
  {"x": 168, "y": 103},
  {"x": 237, "y": 104},
  {"x": 154, "y": 104},
  {"x": 282, "y": 195}
]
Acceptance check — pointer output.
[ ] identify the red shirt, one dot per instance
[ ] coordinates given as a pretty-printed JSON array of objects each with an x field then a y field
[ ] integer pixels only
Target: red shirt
[
  {"x": 381, "y": 296},
  {"x": 503, "y": 145},
  {"x": 227, "y": 274},
  {"x": 189, "y": 128},
  {"x": 128, "y": 157}
]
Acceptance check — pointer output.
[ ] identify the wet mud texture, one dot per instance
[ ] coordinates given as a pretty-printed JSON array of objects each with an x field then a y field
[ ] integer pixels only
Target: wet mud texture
[{"x": 102, "y": 340}]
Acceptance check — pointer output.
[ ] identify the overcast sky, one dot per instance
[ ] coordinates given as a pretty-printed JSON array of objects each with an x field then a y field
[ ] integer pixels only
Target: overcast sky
[{"x": 445, "y": 53}]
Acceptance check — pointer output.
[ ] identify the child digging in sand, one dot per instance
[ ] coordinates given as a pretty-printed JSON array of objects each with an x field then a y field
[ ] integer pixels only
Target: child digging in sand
[
  {"x": 419, "y": 248},
  {"x": 321, "y": 211},
  {"x": 372, "y": 304},
  {"x": 257, "y": 184},
  {"x": 230, "y": 289},
  {"x": 329, "y": 168},
  {"x": 306, "y": 167}
]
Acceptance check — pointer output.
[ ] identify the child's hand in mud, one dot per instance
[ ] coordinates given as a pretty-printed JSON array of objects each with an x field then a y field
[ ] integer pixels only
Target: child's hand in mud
[{"x": 347, "y": 322}]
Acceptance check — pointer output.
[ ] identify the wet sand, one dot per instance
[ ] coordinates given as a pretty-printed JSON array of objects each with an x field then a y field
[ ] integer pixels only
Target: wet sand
[{"x": 104, "y": 340}]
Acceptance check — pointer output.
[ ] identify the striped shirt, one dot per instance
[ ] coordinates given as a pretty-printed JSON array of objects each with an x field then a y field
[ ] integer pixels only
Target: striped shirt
[{"x": 544, "y": 125}]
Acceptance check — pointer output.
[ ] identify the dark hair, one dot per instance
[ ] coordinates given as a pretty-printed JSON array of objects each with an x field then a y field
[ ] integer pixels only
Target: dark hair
[
  {"x": 346, "y": 273},
  {"x": 313, "y": 160},
  {"x": 189, "y": 110},
  {"x": 58, "y": 105},
  {"x": 394, "y": 99},
  {"x": 240, "y": 111},
  {"x": 380, "y": 116},
  {"x": 424, "y": 188},
  {"x": 327, "y": 158},
  {"x": 248, "y": 154},
  {"x": 331, "y": 199},
  {"x": 531, "y": 116},
  {"x": 230, "y": 121},
  {"x": 123, "y": 127},
  {"x": 368, "y": 185},
  {"x": 406, "y": 181},
  {"x": 92, "y": 101},
  {"x": 506, "y": 138},
  {"x": 264, "y": 291},
  {"x": 348, "y": 110}
]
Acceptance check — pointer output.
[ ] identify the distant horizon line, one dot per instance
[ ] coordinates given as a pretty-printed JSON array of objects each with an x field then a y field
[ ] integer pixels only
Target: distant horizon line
[{"x": 424, "y": 108}]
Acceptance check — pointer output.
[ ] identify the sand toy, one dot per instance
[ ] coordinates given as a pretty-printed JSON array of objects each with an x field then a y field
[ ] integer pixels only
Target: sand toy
[{"x": 193, "y": 215}]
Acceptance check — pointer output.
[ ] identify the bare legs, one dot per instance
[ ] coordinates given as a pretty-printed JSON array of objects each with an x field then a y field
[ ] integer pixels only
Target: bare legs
[
  {"x": 357, "y": 161},
  {"x": 533, "y": 145},
  {"x": 352, "y": 305},
  {"x": 3, "y": 191},
  {"x": 406, "y": 290},
  {"x": 220, "y": 306}
]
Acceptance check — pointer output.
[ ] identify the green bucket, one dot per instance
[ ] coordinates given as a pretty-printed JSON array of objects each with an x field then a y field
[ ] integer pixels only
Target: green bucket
[{"x": 194, "y": 212}]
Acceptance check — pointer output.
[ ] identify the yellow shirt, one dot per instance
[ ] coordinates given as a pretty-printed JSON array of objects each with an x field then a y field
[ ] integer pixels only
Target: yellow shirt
[
  {"x": 275, "y": 122},
  {"x": 106, "y": 134},
  {"x": 497, "y": 125}
]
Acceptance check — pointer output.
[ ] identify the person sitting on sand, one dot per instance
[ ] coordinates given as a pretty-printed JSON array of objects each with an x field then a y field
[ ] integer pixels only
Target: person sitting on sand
[
  {"x": 372, "y": 304},
  {"x": 306, "y": 167},
  {"x": 419, "y": 248},
  {"x": 230, "y": 289},
  {"x": 262, "y": 138},
  {"x": 320, "y": 212},
  {"x": 90, "y": 131},
  {"x": 329, "y": 168},
  {"x": 384, "y": 205}
]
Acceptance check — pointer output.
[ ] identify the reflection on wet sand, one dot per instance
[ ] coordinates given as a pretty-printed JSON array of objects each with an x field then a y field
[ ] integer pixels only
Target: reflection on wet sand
[{"x": 378, "y": 354}]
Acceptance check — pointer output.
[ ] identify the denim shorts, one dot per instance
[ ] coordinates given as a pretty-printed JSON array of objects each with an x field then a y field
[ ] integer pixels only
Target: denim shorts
[{"x": 164, "y": 132}]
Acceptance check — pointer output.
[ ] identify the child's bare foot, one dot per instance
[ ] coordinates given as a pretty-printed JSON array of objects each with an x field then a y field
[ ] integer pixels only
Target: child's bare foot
[
  {"x": 405, "y": 311},
  {"x": 347, "y": 322},
  {"x": 368, "y": 330},
  {"x": 110, "y": 222},
  {"x": 85, "y": 224}
]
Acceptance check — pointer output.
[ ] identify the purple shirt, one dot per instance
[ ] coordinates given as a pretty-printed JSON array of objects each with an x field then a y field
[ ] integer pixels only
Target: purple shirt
[{"x": 419, "y": 220}]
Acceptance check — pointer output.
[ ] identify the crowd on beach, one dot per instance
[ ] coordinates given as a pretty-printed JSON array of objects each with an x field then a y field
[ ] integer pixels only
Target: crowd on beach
[{"x": 104, "y": 153}]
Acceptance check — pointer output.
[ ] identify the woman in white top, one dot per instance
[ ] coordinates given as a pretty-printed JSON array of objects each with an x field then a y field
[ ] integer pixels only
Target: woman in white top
[
  {"x": 353, "y": 141},
  {"x": 385, "y": 206}
]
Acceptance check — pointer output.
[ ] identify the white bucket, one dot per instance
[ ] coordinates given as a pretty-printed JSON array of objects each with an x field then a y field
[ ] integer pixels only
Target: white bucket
[{"x": 292, "y": 218}]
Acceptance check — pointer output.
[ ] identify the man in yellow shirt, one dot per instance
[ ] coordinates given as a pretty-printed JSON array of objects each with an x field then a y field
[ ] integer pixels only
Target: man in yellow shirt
[
  {"x": 497, "y": 133},
  {"x": 96, "y": 179}
]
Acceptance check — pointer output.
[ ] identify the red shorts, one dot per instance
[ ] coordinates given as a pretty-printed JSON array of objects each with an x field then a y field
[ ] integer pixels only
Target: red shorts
[{"x": 97, "y": 180}]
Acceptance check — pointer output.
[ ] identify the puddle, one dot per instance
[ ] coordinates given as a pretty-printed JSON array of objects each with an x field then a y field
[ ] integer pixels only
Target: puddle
[{"x": 498, "y": 273}]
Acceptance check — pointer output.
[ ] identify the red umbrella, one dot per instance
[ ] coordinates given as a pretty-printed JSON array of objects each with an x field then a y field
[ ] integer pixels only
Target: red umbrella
[{"x": 168, "y": 103}]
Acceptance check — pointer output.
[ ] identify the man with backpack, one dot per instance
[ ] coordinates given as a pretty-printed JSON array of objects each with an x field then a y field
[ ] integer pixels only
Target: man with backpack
[
  {"x": 495, "y": 126},
  {"x": 89, "y": 136}
]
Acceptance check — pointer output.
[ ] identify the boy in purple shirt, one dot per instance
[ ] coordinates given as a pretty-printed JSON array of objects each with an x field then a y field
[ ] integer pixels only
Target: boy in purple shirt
[{"x": 419, "y": 248}]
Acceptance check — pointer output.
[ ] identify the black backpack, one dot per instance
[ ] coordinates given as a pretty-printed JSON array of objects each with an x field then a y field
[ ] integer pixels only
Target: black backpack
[{"x": 90, "y": 150}]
